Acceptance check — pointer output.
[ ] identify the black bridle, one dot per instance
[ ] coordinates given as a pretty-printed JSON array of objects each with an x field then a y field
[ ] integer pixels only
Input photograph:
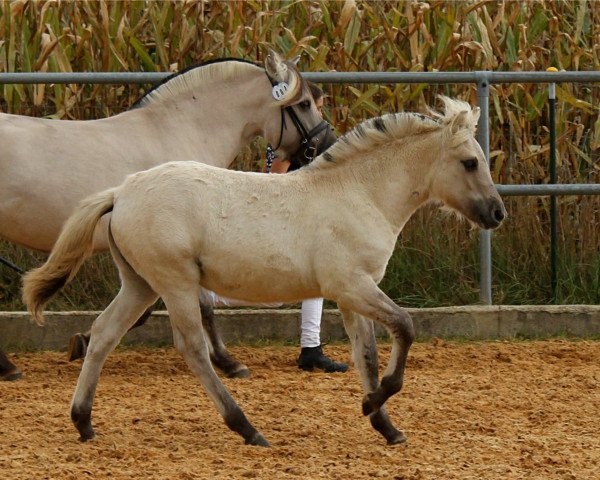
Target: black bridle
[{"x": 306, "y": 135}]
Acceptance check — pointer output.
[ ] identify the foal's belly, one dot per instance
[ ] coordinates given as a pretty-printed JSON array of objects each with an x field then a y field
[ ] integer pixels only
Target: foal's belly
[{"x": 260, "y": 283}]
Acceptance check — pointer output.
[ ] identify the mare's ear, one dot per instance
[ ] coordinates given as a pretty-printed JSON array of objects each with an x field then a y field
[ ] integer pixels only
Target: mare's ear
[
  {"x": 285, "y": 76},
  {"x": 275, "y": 66},
  {"x": 460, "y": 121}
]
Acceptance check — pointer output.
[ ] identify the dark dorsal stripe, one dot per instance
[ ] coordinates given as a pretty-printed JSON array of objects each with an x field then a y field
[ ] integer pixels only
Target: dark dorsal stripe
[{"x": 379, "y": 124}]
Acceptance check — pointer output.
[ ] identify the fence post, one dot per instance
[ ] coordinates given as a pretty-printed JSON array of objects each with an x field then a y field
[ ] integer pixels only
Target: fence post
[
  {"x": 553, "y": 199},
  {"x": 485, "y": 236}
]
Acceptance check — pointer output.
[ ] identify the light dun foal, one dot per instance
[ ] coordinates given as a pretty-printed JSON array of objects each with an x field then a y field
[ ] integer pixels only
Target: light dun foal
[{"x": 327, "y": 230}]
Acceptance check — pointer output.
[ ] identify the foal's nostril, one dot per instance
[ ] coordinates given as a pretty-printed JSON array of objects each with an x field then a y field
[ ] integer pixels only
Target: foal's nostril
[{"x": 498, "y": 214}]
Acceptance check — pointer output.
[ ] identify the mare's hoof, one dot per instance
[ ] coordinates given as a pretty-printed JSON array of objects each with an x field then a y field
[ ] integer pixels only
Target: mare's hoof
[
  {"x": 88, "y": 436},
  {"x": 398, "y": 439},
  {"x": 77, "y": 347},
  {"x": 11, "y": 375},
  {"x": 258, "y": 440},
  {"x": 242, "y": 371}
]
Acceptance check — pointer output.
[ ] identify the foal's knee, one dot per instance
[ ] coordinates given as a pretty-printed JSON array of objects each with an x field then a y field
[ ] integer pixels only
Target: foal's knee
[{"x": 403, "y": 328}]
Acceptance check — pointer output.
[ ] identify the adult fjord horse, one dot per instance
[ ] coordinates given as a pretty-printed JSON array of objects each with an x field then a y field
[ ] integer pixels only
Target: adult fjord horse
[
  {"x": 327, "y": 230},
  {"x": 206, "y": 114}
]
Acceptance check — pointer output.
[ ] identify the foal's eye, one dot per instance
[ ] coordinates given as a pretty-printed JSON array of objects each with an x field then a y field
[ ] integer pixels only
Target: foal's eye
[
  {"x": 305, "y": 104},
  {"x": 470, "y": 164}
]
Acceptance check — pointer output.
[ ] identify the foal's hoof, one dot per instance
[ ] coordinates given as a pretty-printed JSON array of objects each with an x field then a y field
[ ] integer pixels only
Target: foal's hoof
[
  {"x": 241, "y": 371},
  {"x": 11, "y": 375},
  {"x": 257, "y": 440},
  {"x": 77, "y": 347}
]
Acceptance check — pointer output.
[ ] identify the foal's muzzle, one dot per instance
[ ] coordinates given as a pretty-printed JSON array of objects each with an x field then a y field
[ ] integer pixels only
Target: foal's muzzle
[{"x": 491, "y": 213}]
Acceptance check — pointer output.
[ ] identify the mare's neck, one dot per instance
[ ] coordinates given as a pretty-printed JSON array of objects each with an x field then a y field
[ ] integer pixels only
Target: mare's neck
[{"x": 214, "y": 121}]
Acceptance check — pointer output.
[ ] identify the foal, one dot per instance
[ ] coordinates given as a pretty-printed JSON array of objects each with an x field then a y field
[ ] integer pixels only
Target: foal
[{"x": 183, "y": 226}]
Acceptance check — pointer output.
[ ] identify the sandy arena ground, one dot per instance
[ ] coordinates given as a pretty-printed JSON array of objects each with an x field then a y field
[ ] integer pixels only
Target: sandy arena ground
[{"x": 497, "y": 410}]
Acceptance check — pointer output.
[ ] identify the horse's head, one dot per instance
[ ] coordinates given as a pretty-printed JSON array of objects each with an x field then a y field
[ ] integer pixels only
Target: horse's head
[
  {"x": 299, "y": 132},
  {"x": 460, "y": 176}
]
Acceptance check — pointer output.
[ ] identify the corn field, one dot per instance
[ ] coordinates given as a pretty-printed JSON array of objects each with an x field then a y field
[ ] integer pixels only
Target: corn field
[{"x": 436, "y": 260}]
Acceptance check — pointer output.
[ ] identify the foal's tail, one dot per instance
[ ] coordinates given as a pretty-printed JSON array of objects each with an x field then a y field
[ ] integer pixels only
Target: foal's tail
[{"x": 74, "y": 245}]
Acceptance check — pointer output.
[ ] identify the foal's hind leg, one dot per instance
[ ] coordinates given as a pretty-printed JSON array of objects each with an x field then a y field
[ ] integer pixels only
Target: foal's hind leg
[
  {"x": 107, "y": 331},
  {"x": 364, "y": 354},
  {"x": 218, "y": 352},
  {"x": 185, "y": 315}
]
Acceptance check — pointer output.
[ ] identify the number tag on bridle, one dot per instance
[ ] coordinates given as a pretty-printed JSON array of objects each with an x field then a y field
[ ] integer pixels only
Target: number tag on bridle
[{"x": 279, "y": 90}]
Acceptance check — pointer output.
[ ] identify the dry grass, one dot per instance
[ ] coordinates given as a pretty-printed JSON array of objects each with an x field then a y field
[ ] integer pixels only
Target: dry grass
[{"x": 358, "y": 36}]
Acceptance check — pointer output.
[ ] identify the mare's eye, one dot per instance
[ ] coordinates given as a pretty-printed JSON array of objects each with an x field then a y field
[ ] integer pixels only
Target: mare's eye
[
  {"x": 305, "y": 104},
  {"x": 470, "y": 164}
]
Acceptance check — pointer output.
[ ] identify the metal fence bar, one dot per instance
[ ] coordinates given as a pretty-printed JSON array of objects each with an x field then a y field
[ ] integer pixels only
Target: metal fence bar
[
  {"x": 321, "y": 77},
  {"x": 549, "y": 189}
]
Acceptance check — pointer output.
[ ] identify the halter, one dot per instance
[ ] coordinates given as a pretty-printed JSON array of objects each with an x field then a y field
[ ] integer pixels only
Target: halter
[{"x": 307, "y": 136}]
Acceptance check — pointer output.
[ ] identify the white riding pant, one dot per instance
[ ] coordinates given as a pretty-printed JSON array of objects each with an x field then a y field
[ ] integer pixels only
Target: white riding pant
[{"x": 310, "y": 335}]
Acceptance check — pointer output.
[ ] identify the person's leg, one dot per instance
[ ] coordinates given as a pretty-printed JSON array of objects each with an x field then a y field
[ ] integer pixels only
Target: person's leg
[{"x": 311, "y": 354}]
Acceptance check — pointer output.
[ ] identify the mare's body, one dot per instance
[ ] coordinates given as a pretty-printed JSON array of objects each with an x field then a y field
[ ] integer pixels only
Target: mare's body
[{"x": 205, "y": 114}]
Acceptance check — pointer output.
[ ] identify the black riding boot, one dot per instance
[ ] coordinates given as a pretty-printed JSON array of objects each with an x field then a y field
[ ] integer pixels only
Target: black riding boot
[{"x": 313, "y": 357}]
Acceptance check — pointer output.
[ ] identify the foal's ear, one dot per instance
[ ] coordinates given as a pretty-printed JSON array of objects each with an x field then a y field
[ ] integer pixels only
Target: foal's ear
[
  {"x": 476, "y": 114},
  {"x": 460, "y": 121}
]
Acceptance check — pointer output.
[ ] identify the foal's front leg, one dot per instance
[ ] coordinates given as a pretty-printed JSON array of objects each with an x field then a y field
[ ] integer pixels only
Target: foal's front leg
[
  {"x": 364, "y": 354},
  {"x": 365, "y": 298}
]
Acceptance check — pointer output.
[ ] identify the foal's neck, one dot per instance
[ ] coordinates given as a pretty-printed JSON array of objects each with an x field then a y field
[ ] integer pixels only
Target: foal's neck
[{"x": 393, "y": 177}]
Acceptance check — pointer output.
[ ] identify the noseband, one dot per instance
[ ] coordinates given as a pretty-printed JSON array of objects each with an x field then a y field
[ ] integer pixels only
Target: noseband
[{"x": 306, "y": 135}]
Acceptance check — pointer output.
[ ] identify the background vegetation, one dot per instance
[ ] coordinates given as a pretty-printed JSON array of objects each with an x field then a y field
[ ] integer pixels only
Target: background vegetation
[{"x": 436, "y": 261}]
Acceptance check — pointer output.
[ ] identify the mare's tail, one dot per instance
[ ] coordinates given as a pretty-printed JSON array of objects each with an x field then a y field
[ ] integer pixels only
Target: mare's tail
[{"x": 74, "y": 245}]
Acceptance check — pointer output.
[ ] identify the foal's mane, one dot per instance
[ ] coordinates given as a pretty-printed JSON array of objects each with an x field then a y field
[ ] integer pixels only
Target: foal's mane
[
  {"x": 394, "y": 126},
  {"x": 185, "y": 80}
]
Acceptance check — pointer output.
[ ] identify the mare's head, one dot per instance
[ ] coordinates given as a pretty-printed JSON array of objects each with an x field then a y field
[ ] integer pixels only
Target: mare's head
[
  {"x": 299, "y": 132},
  {"x": 460, "y": 177}
]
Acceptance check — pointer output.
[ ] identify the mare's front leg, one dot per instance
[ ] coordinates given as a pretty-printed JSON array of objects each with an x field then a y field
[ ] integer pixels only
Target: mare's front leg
[
  {"x": 8, "y": 370},
  {"x": 78, "y": 343},
  {"x": 218, "y": 352},
  {"x": 364, "y": 354},
  {"x": 365, "y": 298}
]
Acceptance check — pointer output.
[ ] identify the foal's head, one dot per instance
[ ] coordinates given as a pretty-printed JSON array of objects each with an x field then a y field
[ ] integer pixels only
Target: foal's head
[
  {"x": 460, "y": 176},
  {"x": 303, "y": 134}
]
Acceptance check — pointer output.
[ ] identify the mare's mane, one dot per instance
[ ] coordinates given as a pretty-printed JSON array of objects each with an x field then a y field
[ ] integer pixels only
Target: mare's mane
[
  {"x": 191, "y": 77},
  {"x": 394, "y": 126}
]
